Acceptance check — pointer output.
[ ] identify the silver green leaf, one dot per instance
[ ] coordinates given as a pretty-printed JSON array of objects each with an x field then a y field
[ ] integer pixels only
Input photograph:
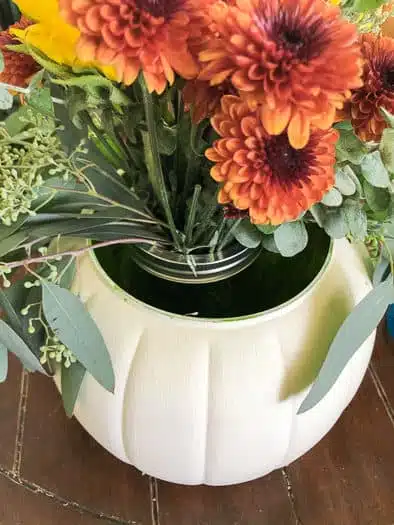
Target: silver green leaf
[
  {"x": 318, "y": 213},
  {"x": 378, "y": 199},
  {"x": 382, "y": 271},
  {"x": 350, "y": 148},
  {"x": 72, "y": 378},
  {"x": 6, "y": 100},
  {"x": 268, "y": 243},
  {"x": 247, "y": 234},
  {"x": 17, "y": 346},
  {"x": 1, "y": 62},
  {"x": 356, "y": 219},
  {"x": 374, "y": 170},
  {"x": 3, "y": 363},
  {"x": 386, "y": 148},
  {"x": 344, "y": 181},
  {"x": 73, "y": 325},
  {"x": 335, "y": 223},
  {"x": 358, "y": 326},
  {"x": 12, "y": 316},
  {"x": 332, "y": 198},
  {"x": 291, "y": 238},
  {"x": 267, "y": 229},
  {"x": 11, "y": 243}
]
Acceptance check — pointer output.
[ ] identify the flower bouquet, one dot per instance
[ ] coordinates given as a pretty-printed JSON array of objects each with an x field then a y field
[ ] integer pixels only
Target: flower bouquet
[{"x": 167, "y": 166}]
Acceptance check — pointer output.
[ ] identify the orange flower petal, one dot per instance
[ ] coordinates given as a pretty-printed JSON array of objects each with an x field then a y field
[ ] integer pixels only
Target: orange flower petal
[{"x": 299, "y": 131}]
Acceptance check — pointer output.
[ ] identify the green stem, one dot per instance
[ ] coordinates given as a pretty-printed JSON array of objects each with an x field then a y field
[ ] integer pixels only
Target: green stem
[
  {"x": 112, "y": 155},
  {"x": 146, "y": 218},
  {"x": 190, "y": 165},
  {"x": 153, "y": 162},
  {"x": 191, "y": 220},
  {"x": 229, "y": 234},
  {"x": 208, "y": 215}
]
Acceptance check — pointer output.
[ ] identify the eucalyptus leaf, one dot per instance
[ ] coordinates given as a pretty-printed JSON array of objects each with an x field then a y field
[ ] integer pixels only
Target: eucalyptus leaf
[
  {"x": 11, "y": 314},
  {"x": 335, "y": 223},
  {"x": 247, "y": 234},
  {"x": 3, "y": 363},
  {"x": 267, "y": 229},
  {"x": 378, "y": 199},
  {"x": 356, "y": 219},
  {"x": 374, "y": 170},
  {"x": 352, "y": 175},
  {"x": 350, "y": 148},
  {"x": 344, "y": 181},
  {"x": 268, "y": 243},
  {"x": 17, "y": 346},
  {"x": 386, "y": 148},
  {"x": 7, "y": 231},
  {"x": 9, "y": 244},
  {"x": 332, "y": 198},
  {"x": 74, "y": 326},
  {"x": 6, "y": 100},
  {"x": 382, "y": 271},
  {"x": 1, "y": 61},
  {"x": 72, "y": 378},
  {"x": 358, "y": 326},
  {"x": 291, "y": 238},
  {"x": 318, "y": 213}
]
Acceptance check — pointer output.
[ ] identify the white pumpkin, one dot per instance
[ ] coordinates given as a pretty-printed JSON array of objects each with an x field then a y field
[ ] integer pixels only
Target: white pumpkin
[{"x": 200, "y": 401}]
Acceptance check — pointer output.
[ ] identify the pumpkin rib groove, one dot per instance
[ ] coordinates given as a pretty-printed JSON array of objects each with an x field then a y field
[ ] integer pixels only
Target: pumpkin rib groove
[
  {"x": 128, "y": 441},
  {"x": 293, "y": 411},
  {"x": 208, "y": 412},
  {"x": 285, "y": 460}
]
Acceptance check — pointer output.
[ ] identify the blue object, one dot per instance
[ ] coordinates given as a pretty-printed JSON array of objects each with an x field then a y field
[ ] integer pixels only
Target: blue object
[{"x": 390, "y": 321}]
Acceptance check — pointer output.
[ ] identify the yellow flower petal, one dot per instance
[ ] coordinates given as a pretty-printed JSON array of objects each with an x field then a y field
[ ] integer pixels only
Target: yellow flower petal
[
  {"x": 39, "y": 10},
  {"x": 52, "y": 36}
]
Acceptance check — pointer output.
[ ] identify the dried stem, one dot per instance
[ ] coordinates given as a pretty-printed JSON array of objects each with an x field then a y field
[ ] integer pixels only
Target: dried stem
[{"x": 73, "y": 253}]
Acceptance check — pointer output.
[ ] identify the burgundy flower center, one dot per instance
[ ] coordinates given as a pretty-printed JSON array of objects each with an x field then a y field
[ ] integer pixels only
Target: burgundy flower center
[
  {"x": 388, "y": 78},
  {"x": 295, "y": 35},
  {"x": 160, "y": 8},
  {"x": 286, "y": 164}
]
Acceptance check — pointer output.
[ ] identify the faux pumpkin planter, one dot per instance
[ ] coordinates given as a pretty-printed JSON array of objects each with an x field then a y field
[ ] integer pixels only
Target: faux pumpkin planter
[{"x": 215, "y": 402}]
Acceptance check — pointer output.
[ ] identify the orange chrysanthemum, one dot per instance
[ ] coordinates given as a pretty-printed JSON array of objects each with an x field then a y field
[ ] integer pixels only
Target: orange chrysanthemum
[
  {"x": 203, "y": 100},
  {"x": 18, "y": 68},
  {"x": 377, "y": 90},
  {"x": 297, "y": 58},
  {"x": 264, "y": 173},
  {"x": 157, "y": 37}
]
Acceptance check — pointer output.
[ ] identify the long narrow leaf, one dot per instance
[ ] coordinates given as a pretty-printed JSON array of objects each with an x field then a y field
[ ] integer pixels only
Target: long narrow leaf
[
  {"x": 11, "y": 243},
  {"x": 355, "y": 330},
  {"x": 72, "y": 378},
  {"x": 3, "y": 363},
  {"x": 11, "y": 314},
  {"x": 17, "y": 346},
  {"x": 74, "y": 326}
]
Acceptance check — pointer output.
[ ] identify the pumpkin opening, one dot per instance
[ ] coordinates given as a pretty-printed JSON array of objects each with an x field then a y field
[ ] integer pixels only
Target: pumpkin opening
[{"x": 269, "y": 282}]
